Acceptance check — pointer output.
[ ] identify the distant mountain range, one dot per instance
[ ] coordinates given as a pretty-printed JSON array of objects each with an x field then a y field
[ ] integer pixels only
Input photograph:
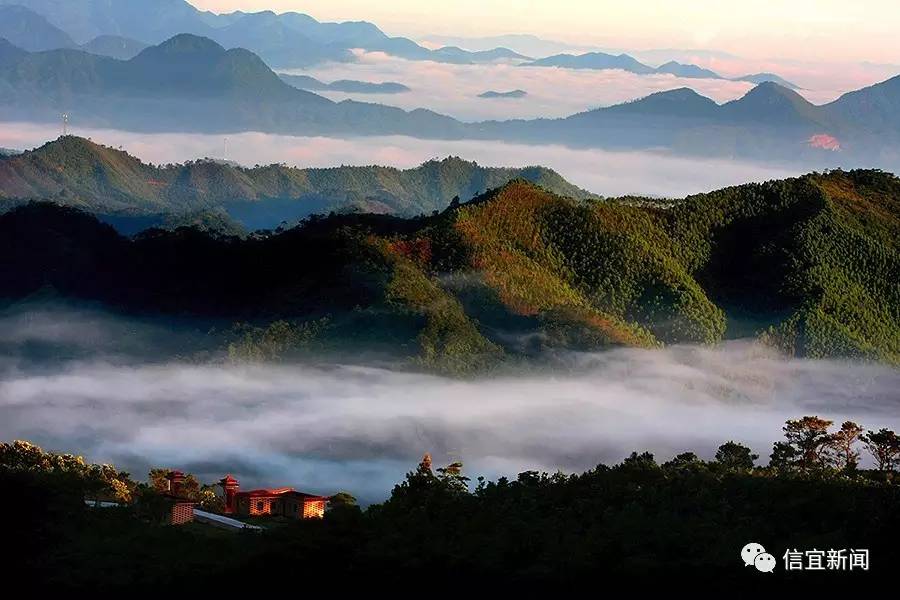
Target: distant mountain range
[
  {"x": 770, "y": 122},
  {"x": 509, "y": 94},
  {"x": 114, "y": 46},
  {"x": 306, "y": 82},
  {"x": 133, "y": 195},
  {"x": 193, "y": 84},
  {"x": 532, "y": 45},
  {"x": 625, "y": 62},
  {"x": 282, "y": 40},
  {"x": 30, "y": 31},
  {"x": 807, "y": 265},
  {"x": 289, "y": 40},
  {"x": 189, "y": 83},
  {"x": 523, "y": 43}
]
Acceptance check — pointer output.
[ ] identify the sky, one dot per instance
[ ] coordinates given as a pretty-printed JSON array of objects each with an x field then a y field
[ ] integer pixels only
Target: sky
[{"x": 810, "y": 30}]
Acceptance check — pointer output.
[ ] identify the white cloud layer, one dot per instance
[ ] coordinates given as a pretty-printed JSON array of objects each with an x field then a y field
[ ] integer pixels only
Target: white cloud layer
[
  {"x": 603, "y": 172},
  {"x": 554, "y": 92},
  {"x": 454, "y": 89},
  {"x": 329, "y": 427}
]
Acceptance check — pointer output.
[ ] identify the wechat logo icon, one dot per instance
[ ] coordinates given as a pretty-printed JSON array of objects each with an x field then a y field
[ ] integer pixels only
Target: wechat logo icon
[{"x": 754, "y": 555}]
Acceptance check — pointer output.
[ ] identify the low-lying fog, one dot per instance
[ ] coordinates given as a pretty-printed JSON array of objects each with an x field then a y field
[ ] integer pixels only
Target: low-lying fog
[
  {"x": 602, "y": 172},
  {"x": 554, "y": 92},
  {"x": 551, "y": 92},
  {"x": 331, "y": 427}
]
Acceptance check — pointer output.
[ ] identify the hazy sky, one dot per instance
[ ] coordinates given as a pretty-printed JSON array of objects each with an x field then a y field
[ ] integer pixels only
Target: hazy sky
[{"x": 797, "y": 29}]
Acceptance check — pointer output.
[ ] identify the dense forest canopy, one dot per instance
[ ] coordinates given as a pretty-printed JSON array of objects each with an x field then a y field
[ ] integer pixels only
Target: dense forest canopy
[{"x": 808, "y": 265}]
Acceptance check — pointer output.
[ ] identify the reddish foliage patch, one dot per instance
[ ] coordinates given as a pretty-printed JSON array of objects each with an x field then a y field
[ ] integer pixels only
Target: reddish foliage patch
[{"x": 417, "y": 250}]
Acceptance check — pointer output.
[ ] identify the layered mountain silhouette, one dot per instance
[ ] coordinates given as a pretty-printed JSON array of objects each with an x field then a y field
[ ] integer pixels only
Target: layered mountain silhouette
[
  {"x": 75, "y": 172},
  {"x": 593, "y": 60},
  {"x": 351, "y": 86},
  {"x": 30, "y": 31},
  {"x": 191, "y": 83},
  {"x": 517, "y": 271},
  {"x": 769, "y": 122},
  {"x": 603, "y": 61},
  {"x": 491, "y": 94},
  {"x": 282, "y": 40},
  {"x": 114, "y": 46},
  {"x": 767, "y": 78}
]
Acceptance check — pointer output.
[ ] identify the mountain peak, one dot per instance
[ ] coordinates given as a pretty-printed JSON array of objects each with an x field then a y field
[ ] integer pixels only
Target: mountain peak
[
  {"x": 758, "y": 78},
  {"x": 769, "y": 102},
  {"x": 687, "y": 70},
  {"x": 183, "y": 43},
  {"x": 69, "y": 148},
  {"x": 771, "y": 87},
  {"x": 682, "y": 102},
  {"x": 771, "y": 93},
  {"x": 30, "y": 31},
  {"x": 195, "y": 65},
  {"x": 877, "y": 105}
]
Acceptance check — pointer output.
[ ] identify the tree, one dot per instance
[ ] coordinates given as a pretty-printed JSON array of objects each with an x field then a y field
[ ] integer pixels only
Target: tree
[
  {"x": 190, "y": 486},
  {"x": 425, "y": 465},
  {"x": 784, "y": 456},
  {"x": 685, "y": 460},
  {"x": 159, "y": 479},
  {"x": 844, "y": 441},
  {"x": 209, "y": 500},
  {"x": 642, "y": 461},
  {"x": 738, "y": 457},
  {"x": 884, "y": 446},
  {"x": 342, "y": 499},
  {"x": 452, "y": 478},
  {"x": 95, "y": 481},
  {"x": 342, "y": 508},
  {"x": 811, "y": 442},
  {"x": 423, "y": 490}
]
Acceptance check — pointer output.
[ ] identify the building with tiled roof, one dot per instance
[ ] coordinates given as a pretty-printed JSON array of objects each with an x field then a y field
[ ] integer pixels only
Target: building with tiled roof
[{"x": 283, "y": 501}]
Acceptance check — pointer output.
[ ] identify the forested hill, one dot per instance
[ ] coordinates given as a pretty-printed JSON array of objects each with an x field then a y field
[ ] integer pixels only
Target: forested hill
[
  {"x": 73, "y": 171},
  {"x": 809, "y": 265}
]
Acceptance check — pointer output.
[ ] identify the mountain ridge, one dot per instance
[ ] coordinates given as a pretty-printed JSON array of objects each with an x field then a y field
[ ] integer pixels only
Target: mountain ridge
[
  {"x": 30, "y": 31},
  {"x": 603, "y": 61},
  {"x": 76, "y": 172},
  {"x": 190, "y": 83},
  {"x": 808, "y": 265},
  {"x": 283, "y": 40}
]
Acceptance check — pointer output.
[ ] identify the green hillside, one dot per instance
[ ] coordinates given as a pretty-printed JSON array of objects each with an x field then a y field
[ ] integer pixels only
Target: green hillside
[
  {"x": 75, "y": 172},
  {"x": 809, "y": 265}
]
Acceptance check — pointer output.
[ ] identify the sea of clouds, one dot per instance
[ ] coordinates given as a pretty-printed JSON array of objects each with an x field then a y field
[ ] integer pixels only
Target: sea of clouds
[
  {"x": 600, "y": 171},
  {"x": 554, "y": 92},
  {"x": 341, "y": 426},
  {"x": 453, "y": 89}
]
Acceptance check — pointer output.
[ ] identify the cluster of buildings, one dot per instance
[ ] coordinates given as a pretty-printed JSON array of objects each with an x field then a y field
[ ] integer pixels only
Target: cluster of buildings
[{"x": 280, "y": 502}]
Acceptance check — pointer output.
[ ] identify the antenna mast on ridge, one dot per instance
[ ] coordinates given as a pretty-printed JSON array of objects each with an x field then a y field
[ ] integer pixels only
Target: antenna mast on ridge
[{"x": 65, "y": 124}]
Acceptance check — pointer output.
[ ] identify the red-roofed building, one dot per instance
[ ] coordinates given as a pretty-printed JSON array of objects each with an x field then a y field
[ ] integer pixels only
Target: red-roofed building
[{"x": 284, "y": 501}]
